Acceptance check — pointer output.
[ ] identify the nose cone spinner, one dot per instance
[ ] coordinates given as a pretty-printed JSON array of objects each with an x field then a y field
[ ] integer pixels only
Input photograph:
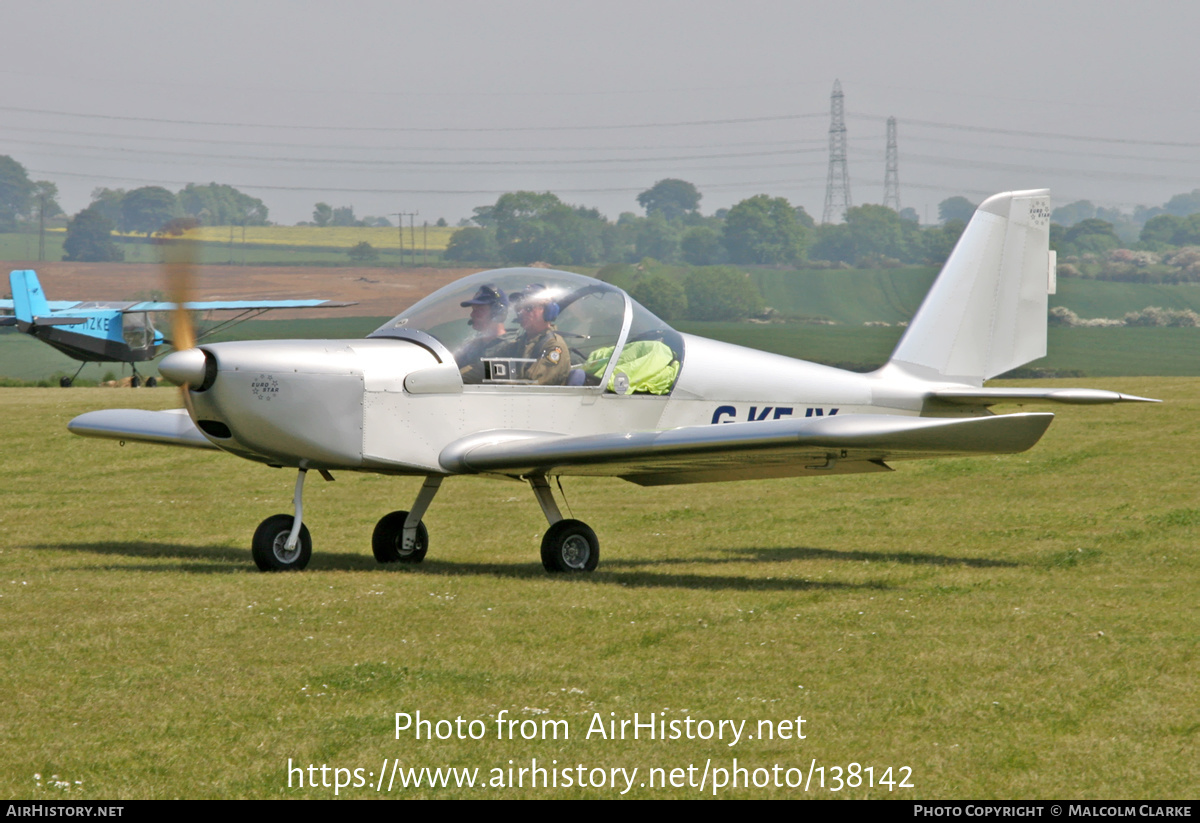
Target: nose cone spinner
[{"x": 186, "y": 366}]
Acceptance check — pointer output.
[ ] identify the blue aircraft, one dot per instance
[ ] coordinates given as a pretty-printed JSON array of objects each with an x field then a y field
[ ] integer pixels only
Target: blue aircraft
[{"x": 114, "y": 332}]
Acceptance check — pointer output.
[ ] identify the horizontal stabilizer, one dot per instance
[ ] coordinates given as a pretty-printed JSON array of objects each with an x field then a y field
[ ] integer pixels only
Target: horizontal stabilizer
[
  {"x": 1081, "y": 397},
  {"x": 57, "y": 321},
  {"x": 167, "y": 428},
  {"x": 730, "y": 451}
]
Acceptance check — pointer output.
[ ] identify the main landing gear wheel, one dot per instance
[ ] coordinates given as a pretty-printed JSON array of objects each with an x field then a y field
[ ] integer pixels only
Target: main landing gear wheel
[
  {"x": 387, "y": 541},
  {"x": 570, "y": 546},
  {"x": 269, "y": 546}
]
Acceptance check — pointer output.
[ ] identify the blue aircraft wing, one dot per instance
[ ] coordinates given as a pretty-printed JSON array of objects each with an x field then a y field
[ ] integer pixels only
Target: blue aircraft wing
[{"x": 235, "y": 305}]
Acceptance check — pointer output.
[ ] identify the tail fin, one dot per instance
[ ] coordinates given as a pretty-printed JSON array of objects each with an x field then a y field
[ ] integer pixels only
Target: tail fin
[
  {"x": 986, "y": 312},
  {"x": 28, "y": 299}
]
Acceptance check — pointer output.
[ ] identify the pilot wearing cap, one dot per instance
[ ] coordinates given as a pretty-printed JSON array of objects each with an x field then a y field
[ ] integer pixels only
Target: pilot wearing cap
[
  {"x": 539, "y": 340},
  {"x": 489, "y": 308}
]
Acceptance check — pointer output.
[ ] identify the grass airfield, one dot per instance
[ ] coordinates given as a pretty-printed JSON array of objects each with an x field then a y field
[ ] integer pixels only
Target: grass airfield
[{"x": 1009, "y": 627}]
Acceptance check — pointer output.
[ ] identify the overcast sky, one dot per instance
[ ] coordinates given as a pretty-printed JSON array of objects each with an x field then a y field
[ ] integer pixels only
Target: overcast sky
[{"x": 438, "y": 107}]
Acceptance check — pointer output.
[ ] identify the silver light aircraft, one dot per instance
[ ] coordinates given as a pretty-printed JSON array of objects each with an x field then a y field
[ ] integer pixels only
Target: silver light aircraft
[{"x": 629, "y": 397}]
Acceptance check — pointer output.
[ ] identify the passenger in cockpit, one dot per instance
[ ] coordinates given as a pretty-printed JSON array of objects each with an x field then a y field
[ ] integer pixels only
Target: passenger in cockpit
[
  {"x": 489, "y": 308},
  {"x": 539, "y": 340}
]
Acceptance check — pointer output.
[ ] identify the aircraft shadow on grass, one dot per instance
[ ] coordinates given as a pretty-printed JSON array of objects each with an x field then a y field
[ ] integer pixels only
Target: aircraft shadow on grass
[{"x": 650, "y": 573}]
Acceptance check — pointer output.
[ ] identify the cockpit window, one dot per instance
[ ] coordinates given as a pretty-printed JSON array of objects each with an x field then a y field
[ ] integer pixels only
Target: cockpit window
[
  {"x": 137, "y": 330},
  {"x": 480, "y": 321}
]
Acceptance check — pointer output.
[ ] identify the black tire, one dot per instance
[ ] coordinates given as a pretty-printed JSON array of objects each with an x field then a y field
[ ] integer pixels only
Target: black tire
[
  {"x": 151, "y": 382},
  {"x": 268, "y": 545},
  {"x": 135, "y": 381},
  {"x": 65, "y": 382},
  {"x": 387, "y": 541},
  {"x": 570, "y": 546}
]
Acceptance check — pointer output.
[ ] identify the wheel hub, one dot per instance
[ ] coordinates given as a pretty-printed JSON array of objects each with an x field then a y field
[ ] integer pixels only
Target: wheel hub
[
  {"x": 575, "y": 551},
  {"x": 281, "y": 551}
]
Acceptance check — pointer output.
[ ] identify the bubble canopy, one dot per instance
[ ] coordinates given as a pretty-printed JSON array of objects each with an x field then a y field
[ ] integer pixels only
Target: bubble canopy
[{"x": 596, "y": 319}]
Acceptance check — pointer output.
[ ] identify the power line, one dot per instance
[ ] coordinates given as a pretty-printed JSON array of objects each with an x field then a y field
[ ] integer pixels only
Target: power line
[{"x": 414, "y": 129}]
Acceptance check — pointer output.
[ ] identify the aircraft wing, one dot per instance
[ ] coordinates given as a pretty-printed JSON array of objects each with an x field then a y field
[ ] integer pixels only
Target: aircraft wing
[
  {"x": 739, "y": 451},
  {"x": 236, "y": 305},
  {"x": 167, "y": 428},
  {"x": 55, "y": 305}
]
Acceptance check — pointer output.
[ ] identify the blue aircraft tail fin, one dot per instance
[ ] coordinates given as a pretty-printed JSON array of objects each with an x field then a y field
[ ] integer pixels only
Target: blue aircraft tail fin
[{"x": 29, "y": 301}]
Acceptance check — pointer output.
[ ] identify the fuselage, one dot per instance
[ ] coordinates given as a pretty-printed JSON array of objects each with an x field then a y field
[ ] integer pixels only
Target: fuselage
[{"x": 389, "y": 405}]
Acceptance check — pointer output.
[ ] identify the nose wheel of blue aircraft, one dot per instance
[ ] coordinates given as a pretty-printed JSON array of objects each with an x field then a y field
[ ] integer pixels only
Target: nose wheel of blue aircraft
[{"x": 388, "y": 542}]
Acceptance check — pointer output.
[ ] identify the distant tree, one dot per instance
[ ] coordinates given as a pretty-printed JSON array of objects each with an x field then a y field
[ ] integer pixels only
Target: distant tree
[
  {"x": 661, "y": 295},
  {"x": 833, "y": 242},
  {"x": 441, "y": 223},
  {"x": 472, "y": 244},
  {"x": 216, "y": 204},
  {"x": 1090, "y": 236},
  {"x": 483, "y": 216},
  {"x": 179, "y": 226},
  {"x": 764, "y": 229},
  {"x": 1161, "y": 231},
  {"x": 377, "y": 222},
  {"x": 16, "y": 192},
  {"x": 657, "y": 238},
  {"x": 670, "y": 198},
  {"x": 956, "y": 208},
  {"x": 147, "y": 209},
  {"x": 89, "y": 238},
  {"x": 45, "y": 200},
  {"x": 721, "y": 293},
  {"x": 532, "y": 226},
  {"x": 323, "y": 214},
  {"x": 876, "y": 232},
  {"x": 938, "y": 241},
  {"x": 1181, "y": 205},
  {"x": 108, "y": 203},
  {"x": 1072, "y": 213},
  {"x": 910, "y": 214},
  {"x": 344, "y": 216},
  {"x": 363, "y": 252},
  {"x": 701, "y": 246},
  {"x": 870, "y": 235}
]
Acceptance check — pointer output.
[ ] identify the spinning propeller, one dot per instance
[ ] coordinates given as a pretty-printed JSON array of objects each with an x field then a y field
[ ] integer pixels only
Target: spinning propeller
[{"x": 186, "y": 365}]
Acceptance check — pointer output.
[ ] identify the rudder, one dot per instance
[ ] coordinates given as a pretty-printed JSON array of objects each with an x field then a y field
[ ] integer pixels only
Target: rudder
[{"x": 29, "y": 301}]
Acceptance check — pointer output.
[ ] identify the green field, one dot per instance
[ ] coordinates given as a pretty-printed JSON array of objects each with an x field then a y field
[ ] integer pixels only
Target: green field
[
  {"x": 1088, "y": 351},
  {"x": 1005, "y": 627},
  {"x": 24, "y": 246},
  {"x": 893, "y": 295}
]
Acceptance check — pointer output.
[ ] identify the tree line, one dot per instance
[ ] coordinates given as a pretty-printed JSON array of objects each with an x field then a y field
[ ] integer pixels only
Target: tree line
[{"x": 526, "y": 227}]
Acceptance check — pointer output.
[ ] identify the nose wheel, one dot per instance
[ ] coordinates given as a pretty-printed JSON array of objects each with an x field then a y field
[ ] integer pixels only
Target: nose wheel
[{"x": 388, "y": 543}]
